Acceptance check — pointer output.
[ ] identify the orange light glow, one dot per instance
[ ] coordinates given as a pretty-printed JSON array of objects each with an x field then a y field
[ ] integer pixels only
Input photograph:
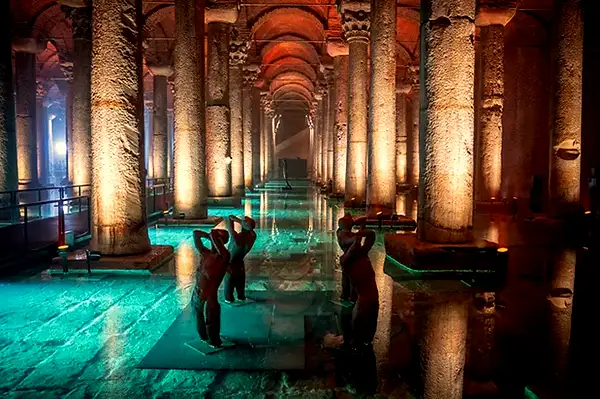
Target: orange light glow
[{"x": 502, "y": 250}]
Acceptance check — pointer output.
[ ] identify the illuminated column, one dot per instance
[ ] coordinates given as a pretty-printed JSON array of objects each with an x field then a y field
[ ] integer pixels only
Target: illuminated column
[
  {"x": 447, "y": 128},
  {"x": 481, "y": 338},
  {"x": 80, "y": 137},
  {"x": 160, "y": 127},
  {"x": 238, "y": 52},
  {"x": 492, "y": 18},
  {"x": 269, "y": 115},
  {"x": 313, "y": 140},
  {"x": 442, "y": 323},
  {"x": 148, "y": 122},
  {"x": 67, "y": 90},
  {"x": 318, "y": 160},
  {"x": 263, "y": 128},
  {"x": 323, "y": 135},
  {"x": 381, "y": 188},
  {"x": 218, "y": 125},
  {"x": 8, "y": 137},
  {"x": 189, "y": 161},
  {"x": 43, "y": 163},
  {"x": 330, "y": 127},
  {"x": 25, "y": 68},
  {"x": 249, "y": 77},
  {"x": 339, "y": 51},
  {"x": 413, "y": 136},
  {"x": 256, "y": 136},
  {"x": 356, "y": 24},
  {"x": 566, "y": 141},
  {"x": 118, "y": 186},
  {"x": 402, "y": 126},
  {"x": 170, "y": 138}
]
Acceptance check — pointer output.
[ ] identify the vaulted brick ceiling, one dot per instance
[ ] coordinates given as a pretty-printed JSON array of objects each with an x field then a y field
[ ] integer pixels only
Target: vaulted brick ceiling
[{"x": 288, "y": 38}]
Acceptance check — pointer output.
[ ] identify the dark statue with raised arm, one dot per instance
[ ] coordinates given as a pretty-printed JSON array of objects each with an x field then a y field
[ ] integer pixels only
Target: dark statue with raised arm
[
  {"x": 209, "y": 275},
  {"x": 356, "y": 265},
  {"x": 239, "y": 245}
]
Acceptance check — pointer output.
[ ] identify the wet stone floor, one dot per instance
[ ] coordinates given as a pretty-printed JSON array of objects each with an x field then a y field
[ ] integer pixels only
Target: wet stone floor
[{"x": 84, "y": 337}]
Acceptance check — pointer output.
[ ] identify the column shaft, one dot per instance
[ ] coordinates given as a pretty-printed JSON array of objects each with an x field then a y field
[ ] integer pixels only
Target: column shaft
[
  {"x": 81, "y": 125},
  {"x": 218, "y": 128},
  {"x": 256, "y": 137},
  {"x": 330, "y": 130},
  {"x": 340, "y": 65},
  {"x": 237, "y": 134},
  {"x": 189, "y": 160},
  {"x": 26, "y": 122},
  {"x": 402, "y": 124},
  {"x": 381, "y": 189},
  {"x": 160, "y": 140},
  {"x": 492, "y": 104},
  {"x": 447, "y": 128},
  {"x": 321, "y": 138},
  {"x": 247, "y": 135},
  {"x": 358, "y": 75},
  {"x": 118, "y": 185},
  {"x": 42, "y": 141},
  {"x": 413, "y": 141},
  {"x": 8, "y": 136},
  {"x": 325, "y": 138},
  {"x": 566, "y": 141}
]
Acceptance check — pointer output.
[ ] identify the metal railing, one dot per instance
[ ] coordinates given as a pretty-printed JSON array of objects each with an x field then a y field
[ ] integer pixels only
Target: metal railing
[{"x": 30, "y": 195}]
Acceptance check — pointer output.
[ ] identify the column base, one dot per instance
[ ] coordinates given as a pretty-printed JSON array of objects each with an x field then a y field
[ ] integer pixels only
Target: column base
[
  {"x": 337, "y": 196},
  {"x": 398, "y": 222},
  {"x": 403, "y": 188},
  {"x": 354, "y": 204},
  {"x": 224, "y": 202},
  {"x": 421, "y": 256},
  {"x": 210, "y": 221}
]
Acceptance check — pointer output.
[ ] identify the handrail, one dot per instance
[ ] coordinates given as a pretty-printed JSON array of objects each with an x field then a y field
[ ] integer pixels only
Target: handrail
[
  {"x": 40, "y": 203},
  {"x": 46, "y": 188}
]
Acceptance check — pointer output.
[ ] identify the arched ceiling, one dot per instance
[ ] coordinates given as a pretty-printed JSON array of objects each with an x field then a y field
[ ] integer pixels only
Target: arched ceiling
[{"x": 288, "y": 38}]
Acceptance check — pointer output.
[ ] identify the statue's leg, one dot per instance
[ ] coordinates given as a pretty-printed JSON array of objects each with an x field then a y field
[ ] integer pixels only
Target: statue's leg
[
  {"x": 240, "y": 281},
  {"x": 198, "y": 305},
  {"x": 229, "y": 286},
  {"x": 213, "y": 319}
]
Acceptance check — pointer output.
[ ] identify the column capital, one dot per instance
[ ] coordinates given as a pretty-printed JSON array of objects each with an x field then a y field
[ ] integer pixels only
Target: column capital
[
  {"x": 250, "y": 75},
  {"x": 81, "y": 21},
  {"x": 74, "y": 3},
  {"x": 356, "y": 19},
  {"x": 225, "y": 13},
  {"x": 66, "y": 67},
  {"x": 337, "y": 47},
  {"x": 28, "y": 45},
  {"x": 238, "y": 49},
  {"x": 495, "y": 12},
  {"x": 41, "y": 90},
  {"x": 160, "y": 69}
]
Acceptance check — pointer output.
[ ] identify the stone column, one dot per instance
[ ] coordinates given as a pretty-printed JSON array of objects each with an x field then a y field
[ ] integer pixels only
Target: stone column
[
  {"x": 312, "y": 116},
  {"x": 330, "y": 122},
  {"x": 249, "y": 77},
  {"x": 356, "y": 24},
  {"x": 442, "y": 320},
  {"x": 414, "y": 133},
  {"x": 402, "y": 127},
  {"x": 148, "y": 137},
  {"x": 565, "y": 169},
  {"x": 218, "y": 127},
  {"x": 323, "y": 135},
  {"x": 339, "y": 51},
  {"x": 256, "y": 136},
  {"x": 263, "y": 128},
  {"x": 170, "y": 145},
  {"x": 118, "y": 185},
  {"x": 318, "y": 159},
  {"x": 447, "y": 128},
  {"x": 381, "y": 188},
  {"x": 491, "y": 18},
  {"x": 160, "y": 127},
  {"x": 238, "y": 52},
  {"x": 26, "y": 50},
  {"x": 189, "y": 158},
  {"x": 8, "y": 137},
  {"x": 81, "y": 157},
  {"x": 43, "y": 159},
  {"x": 67, "y": 90},
  {"x": 268, "y": 136}
]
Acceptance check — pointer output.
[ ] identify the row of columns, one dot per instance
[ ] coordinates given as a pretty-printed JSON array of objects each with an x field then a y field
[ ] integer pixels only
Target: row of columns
[{"x": 396, "y": 137}]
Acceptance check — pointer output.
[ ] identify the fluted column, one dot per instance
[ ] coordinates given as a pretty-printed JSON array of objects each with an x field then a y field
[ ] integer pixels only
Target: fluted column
[
  {"x": 381, "y": 187},
  {"x": 492, "y": 16},
  {"x": 447, "y": 124},
  {"x": 160, "y": 129},
  {"x": 566, "y": 141},
  {"x": 81, "y": 106},
  {"x": 118, "y": 185},
  {"x": 238, "y": 52},
  {"x": 218, "y": 125},
  {"x": 189, "y": 158},
  {"x": 414, "y": 133},
  {"x": 339, "y": 51},
  {"x": 42, "y": 154},
  {"x": 402, "y": 126},
  {"x": 249, "y": 78},
  {"x": 25, "y": 70},
  {"x": 8, "y": 136},
  {"x": 356, "y": 24}
]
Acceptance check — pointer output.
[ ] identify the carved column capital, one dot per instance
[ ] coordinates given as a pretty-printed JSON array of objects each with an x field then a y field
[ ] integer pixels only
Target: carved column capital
[
  {"x": 250, "y": 75},
  {"x": 66, "y": 68},
  {"x": 238, "y": 49},
  {"x": 496, "y": 12},
  {"x": 356, "y": 19},
  {"x": 160, "y": 69}
]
